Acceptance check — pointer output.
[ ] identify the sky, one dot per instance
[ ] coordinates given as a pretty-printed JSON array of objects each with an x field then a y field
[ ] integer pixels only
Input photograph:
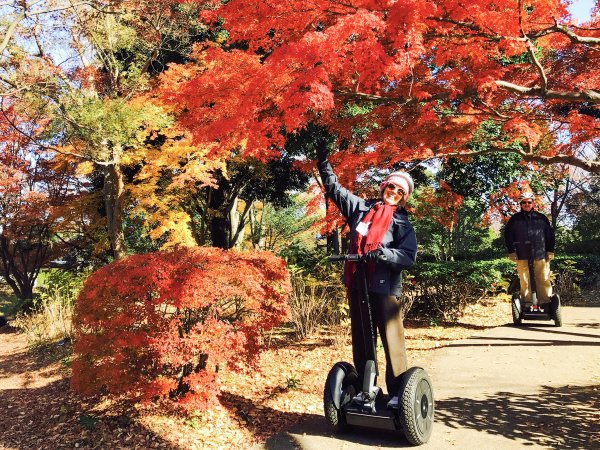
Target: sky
[{"x": 581, "y": 9}]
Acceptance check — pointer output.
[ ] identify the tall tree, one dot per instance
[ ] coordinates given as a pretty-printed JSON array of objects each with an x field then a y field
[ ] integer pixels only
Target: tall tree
[
  {"x": 91, "y": 85},
  {"x": 32, "y": 186},
  {"x": 217, "y": 209},
  {"x": 428, "y": 72}
]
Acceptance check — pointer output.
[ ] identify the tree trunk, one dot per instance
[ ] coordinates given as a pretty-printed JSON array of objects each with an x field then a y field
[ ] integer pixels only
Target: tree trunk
[
  {"x": 20, "y": 268},
  {"x": 219, "y": 222},
  {"x": 236, "y": 223},
  {"x": 113, "y": 190},
  {"x": 240, "y": 232}
]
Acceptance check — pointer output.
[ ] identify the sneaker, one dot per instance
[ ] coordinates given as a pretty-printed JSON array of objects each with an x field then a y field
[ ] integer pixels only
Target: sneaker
[
  {"x": 360, "y": 398},
  {"x": 533, "y": 308},
  {"x": 393, "y": 403}
]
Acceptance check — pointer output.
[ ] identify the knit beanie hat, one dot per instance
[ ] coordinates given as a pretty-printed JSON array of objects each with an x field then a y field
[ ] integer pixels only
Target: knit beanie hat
[
  {"x": 401, "y": 179},
  {"x": 526, "y": 195}
]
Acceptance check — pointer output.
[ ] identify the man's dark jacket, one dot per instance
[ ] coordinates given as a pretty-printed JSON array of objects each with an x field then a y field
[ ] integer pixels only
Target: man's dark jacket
[{"x": 533, "y": 227}]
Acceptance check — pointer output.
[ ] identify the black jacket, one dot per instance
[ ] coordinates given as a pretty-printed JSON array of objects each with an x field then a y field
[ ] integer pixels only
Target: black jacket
[
  {"x": 399, "y": 244},
  {"x": 529, "y": 227}
]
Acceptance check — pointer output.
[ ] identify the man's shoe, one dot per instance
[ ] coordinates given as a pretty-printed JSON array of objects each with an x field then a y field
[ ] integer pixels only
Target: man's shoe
[{"x": 393, "y": 403}]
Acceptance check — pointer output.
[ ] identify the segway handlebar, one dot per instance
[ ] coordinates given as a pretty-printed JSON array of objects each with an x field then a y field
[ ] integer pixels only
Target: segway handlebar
[
  {"x": 349, "y": 257},
  {"x": 352, "y": 257}
]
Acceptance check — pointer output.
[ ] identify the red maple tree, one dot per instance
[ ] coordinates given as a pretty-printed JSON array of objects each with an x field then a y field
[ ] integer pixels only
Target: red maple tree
[
  {"x": 425, "y": 73},
  {"x": 160, "y": 325},
  {"x": 33, "y": 184}
]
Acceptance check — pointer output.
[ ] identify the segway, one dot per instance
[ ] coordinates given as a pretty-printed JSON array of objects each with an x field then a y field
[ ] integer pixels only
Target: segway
[
  {"x": 350, "y": 402},
  {"x": 522, "y": 310}
]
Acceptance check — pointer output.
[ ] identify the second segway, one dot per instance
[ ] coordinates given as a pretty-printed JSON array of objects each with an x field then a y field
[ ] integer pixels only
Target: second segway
[{"x": 349, "y": 401}]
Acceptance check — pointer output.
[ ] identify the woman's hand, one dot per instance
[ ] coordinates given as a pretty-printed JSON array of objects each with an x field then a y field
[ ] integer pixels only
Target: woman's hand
[
  {"x": 373, "y": 255},
  {"x": 322, "y": 150}
]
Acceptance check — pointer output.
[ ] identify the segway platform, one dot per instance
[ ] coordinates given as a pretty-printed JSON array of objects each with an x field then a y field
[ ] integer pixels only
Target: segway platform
[
  {"x": 381, "y": 417},
  {"x": 413, "y": 416},
  {"x": 543, "y": 314}
]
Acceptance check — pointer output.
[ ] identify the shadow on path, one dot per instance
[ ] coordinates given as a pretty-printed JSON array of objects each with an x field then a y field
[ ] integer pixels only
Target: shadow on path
[
  {"x": 21, "y": 360},
  {"x": 592, "y": 325},
  {"x": 524, "y": 340},
  {"x": 565, "y": 417},
  {"x": 562, "y": 332},
  {"x": 289, "y": 427}
]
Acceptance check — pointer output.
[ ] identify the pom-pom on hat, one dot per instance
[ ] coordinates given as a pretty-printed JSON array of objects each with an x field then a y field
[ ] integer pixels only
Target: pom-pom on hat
[{"x": 401, "y": 179}]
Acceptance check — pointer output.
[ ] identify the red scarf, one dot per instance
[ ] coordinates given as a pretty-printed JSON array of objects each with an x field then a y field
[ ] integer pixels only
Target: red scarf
[{"x": 376, "y": 223}]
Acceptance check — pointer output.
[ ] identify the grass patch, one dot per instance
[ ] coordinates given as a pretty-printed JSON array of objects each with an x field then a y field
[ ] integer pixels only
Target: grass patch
[{"x": 10, "y": 304}]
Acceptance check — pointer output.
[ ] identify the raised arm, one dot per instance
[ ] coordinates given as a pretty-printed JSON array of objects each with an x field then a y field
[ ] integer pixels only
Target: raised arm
[{"x": 345, "y": 200}]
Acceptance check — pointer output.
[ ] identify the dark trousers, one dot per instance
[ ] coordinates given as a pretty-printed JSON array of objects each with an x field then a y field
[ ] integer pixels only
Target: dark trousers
[{"x": 387, "y": 316}]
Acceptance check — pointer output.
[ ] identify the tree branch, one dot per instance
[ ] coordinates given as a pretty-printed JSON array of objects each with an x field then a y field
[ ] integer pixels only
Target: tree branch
[
  {"x": 11, "y": 31},
  {"x": 587, "y": 95},
  {"x": 572, "y": 160},
  {"x": 531, "y": 51},
  {"x": 575, "y": 37},
  {"x": 381, "y": 100}
]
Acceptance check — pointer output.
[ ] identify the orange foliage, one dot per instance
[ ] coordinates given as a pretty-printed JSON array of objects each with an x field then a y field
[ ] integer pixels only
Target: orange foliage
[
  {"x": 441, "y": 206},
  {"x": 159, "y": 325},
  {"x": 505, "y": 203},
  {"x": 428, "y": 70}
]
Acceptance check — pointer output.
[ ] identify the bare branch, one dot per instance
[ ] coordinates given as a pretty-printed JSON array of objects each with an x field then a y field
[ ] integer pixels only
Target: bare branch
[
  {"x": 11, "y": 31},
  {"x": 26, "y": 12},
  {"x": 572, "y": 160},
  {"x": 575, "y": 37},
  {"x": 382, "y": 100},
  {"x": 531, "y": 51},
  {"x": 587, "y": 95}
]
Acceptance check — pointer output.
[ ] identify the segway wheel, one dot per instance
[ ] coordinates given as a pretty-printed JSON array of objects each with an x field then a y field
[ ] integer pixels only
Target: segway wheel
[
  {"x": 416, "y": 405},
  {"x": 555, "y": 308},
  {"x": 516, "y": 310},
  {"x": 340, "y": 388}
]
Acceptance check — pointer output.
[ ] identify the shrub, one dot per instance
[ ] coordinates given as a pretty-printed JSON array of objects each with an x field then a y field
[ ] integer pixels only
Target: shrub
[
  {"x": 441, "y": 291},
  {"x": 160, "y": 325},
  {"x": 573, "y": 273},
  {"x": 50, "y": 319},
  {"x": 315, "y": 302},
  {"x": 588, "y": 265}
]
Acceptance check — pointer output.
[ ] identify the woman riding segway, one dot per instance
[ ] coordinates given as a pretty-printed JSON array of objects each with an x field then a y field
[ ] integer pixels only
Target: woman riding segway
[{"x": 383, "y": 239}]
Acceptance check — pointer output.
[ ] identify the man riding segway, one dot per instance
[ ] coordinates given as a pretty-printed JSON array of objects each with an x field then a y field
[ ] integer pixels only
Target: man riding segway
[{"x": 529, "y": 239}]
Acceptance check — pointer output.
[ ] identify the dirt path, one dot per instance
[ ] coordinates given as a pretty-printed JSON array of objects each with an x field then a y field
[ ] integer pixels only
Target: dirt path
[
  {"x": 484, "y": 398},
  {"x": 535, "y": 387}
]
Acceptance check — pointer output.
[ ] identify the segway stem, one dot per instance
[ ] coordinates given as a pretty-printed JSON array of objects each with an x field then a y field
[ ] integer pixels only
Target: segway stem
[
  {"x": 530, "y": 263},
  {"x": 365, "y": 303},
  {"x": 366, "y": 300}
]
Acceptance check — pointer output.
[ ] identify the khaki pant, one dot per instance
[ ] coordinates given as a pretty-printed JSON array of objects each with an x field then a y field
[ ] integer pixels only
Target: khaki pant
[{"x": 541, "y": 270}]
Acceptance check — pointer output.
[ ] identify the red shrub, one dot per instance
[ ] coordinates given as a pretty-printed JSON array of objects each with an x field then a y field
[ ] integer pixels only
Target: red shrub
[{"x": 159, "y": 325}]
